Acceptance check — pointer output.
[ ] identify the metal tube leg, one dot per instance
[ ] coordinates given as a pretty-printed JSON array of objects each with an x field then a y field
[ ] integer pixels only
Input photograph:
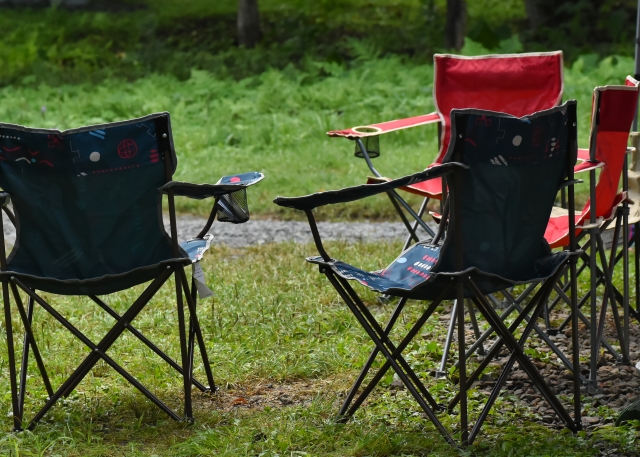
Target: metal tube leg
[
  {"x": 593, "y": 371},
  {"x": 447, "y": 344},
  {"x": 625, "y": 280},
  {"x": 197, "y": 331},
  {"x": 372, "y": 357},
  {"x": 462, "y": 367},
  {"x": 30, "y": 336},
  {"x": 192, "y": 334},
  {"x": 395, "y": 360},
  {"x": 636, "y": 240},
  {"x": 25, "y": 359},
  {"x": 415, "y": 224},
  {"x": 575, "y": 344},
  {"x": 188, "y": 410},
  {"x": 17, "y": 413},
  {"x": 474, "y": 324},
  {"x": 172, "y": 363}
]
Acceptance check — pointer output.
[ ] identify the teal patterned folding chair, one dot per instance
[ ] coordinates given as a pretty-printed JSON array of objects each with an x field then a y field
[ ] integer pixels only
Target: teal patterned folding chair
[
  {"x": 503, "y": 176},
  {"x": 87, "y": 207}
]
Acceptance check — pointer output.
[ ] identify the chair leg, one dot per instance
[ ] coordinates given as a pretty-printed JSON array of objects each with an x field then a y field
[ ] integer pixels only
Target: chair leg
[
  {"x": 636, "y": 259},
  {"x": 625, "y": 280},
  {"x": 608, "y": 270},
  {"x": 505, "y": 373},
  {"x": 188, "y": 409},
  {"x": 395, "y": 359},
  {"x": 423, "y": 207},
  {"x": 99, "y": 351},
  {"x": 373, "y": 323},
  {"x": 367, "y": 366},
  {"x": 497, "y": 345},
  {"x": 474, "y": 324},
  {"x": 544, "y": 337},
  {"x": 462, "y": 369},
  {"x": 191, "y": 304},
  {"x": 135, "y": 332},
  {"x": 523, "y": 360},
  {"x": 442, "y": 371},
  {"x": 29, "y": 338},
  {"x": 22, "y": 385},
  {"x": 386, "y": 366},
  {"x": 17, "y": 413},
  {"x": 192, "y": 333}
]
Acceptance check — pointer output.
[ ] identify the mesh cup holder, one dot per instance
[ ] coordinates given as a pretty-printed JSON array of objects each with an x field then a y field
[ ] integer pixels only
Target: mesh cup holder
[
  {"x": 371, "y": 143},
  {"x": 233, "y": 207}
]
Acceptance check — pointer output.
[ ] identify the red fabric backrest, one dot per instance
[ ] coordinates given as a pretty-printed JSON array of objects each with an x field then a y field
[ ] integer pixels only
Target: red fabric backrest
[
  {"x": 616, "y": 106},
  {"x": 516, "y": 84}
]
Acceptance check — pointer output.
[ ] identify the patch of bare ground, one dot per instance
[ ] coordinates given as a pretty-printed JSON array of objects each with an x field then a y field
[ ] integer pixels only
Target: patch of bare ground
[{"x": 255, "y": 396}]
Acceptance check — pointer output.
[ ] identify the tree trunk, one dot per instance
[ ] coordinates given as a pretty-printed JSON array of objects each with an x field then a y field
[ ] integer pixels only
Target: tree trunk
[
  {"x": 456, "y": 24},
  {"x": 249, "y": 32},
  {"x": 533, "y": 13}
]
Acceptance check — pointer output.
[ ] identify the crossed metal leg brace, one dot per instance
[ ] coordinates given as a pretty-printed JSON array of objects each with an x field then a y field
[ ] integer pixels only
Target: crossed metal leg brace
[
  {"x": 98, "y": 351},
  {"x": 395, "y": 360}
]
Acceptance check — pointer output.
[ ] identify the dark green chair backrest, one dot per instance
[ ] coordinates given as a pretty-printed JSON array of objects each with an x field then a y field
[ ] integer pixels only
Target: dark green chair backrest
[
  {"x": 86, "y": 200},
  {"x": 516, "y": 168}
]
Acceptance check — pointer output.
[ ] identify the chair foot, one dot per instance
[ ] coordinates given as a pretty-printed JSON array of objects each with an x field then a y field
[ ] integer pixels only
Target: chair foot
[
  {"x": 341, "y": 419},
  {"x": 211, "y": 391},
  {"x": 384, "y": 299},
  {"x": 441, "y": 374}
]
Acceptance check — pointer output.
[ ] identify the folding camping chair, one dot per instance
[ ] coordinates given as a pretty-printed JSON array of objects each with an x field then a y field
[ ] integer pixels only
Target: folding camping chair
[
  {"x": 87, "y": 207},
  {"x": 496, "y": 218},
  {"x": 612, "y": 114},
  {"x": 517, "y": 84},
  {"x": 613, "y": 108}
]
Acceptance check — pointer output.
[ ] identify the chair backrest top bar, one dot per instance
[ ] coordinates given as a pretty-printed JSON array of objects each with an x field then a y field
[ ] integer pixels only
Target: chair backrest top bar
[{"x": 516, "y": 84}]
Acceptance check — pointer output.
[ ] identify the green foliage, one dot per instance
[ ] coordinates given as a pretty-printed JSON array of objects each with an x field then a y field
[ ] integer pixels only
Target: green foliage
[
  {"x": 129, "y": 39},
  {"x": 578, "y": 27},
  {"x": 276, "y": 122}
]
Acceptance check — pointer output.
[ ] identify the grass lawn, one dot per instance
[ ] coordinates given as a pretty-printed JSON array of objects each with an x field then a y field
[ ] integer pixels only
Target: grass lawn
[{"x": 276, "y": 330}]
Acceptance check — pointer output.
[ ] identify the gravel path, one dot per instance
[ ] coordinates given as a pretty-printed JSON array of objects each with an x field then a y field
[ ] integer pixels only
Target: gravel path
[{"x": 267, "y": 231}]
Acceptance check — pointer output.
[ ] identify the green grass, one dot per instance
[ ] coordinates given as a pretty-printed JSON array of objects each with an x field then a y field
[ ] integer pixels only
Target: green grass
[
  {"x": 275, "y": 320},
  {"x": 276, "y": 122}
]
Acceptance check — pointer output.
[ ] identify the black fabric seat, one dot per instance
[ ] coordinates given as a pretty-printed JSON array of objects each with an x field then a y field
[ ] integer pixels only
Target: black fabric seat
[{"x": 87, "y": 207}]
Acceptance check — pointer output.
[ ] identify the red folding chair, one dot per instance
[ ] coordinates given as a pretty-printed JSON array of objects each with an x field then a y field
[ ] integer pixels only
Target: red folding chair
[
  {"x": 612, "y": 114},
  {"x": 516, "y": 84}
]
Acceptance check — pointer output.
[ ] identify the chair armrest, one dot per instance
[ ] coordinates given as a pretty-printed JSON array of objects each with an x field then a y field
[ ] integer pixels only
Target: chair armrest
[
  {"x": 583, "y": 154},
  {"x": 349, "y": 194},
  {"x": 386, "y": 127},
  {"x": 226, "y": 185},
  {"x": 587, "y": 165}
]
